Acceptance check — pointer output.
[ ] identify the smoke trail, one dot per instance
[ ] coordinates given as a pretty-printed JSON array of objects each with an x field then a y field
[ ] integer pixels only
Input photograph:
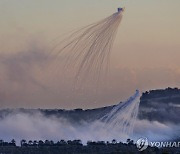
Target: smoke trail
[
  {"x": 119, "y": 122},
  {"x": 88, "y": 49}
]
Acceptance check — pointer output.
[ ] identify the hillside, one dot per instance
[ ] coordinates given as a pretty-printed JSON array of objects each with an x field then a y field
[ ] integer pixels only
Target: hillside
[{"x": 161, "y": 105}]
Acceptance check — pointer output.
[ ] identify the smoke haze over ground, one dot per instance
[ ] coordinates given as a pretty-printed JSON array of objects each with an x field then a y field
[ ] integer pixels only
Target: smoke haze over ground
[
  {"x": 116, "y": 124},
  {"x": 35, "y": 125},
  {"x": 29, "y": 79},
  {"x": 38, "y": 127}
]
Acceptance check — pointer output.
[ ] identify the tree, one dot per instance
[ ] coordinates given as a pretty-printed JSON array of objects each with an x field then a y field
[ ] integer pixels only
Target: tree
[
  {"x": 47, "y": 142},
  {"x": 40, "y": 143},
  {"x": 63, "y": 142},
  {"x": 30, "y": 142},
  {"x": 77, "y": 142},
  {"x": 1, "y": 142},
  {"x": 13, "y": 142},
  {"x": 51, "y": 143},
  {"x": 35, "y": 143},
  {"x": 69, "y": 142},
  {"x": 128, "y": 140},
  {"x": 101, "y": 143},
  {"x": 114, "y": 141},
  {"x": 23, "y": 142}
]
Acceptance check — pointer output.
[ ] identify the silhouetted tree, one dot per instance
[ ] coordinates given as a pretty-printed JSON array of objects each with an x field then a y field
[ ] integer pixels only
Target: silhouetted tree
[
  {"x": 40, "y": 143},
  {"x": 114, "y": 141},
  {"x": 89, "y": 143},
  {"x": 101, "y": 143},
  {"x": 30, "y": 142},
  {"x": 63, "y": 142},
  {"x": 74, "y": 147},
  {"x": 35, "y": 143},
  {"x": 1, "y": 142},
  {"x": 23, "y": 142},
  {"x": 13, "y": 142},
  {"x": 47, "y": 143},
  {"x": 77, "y": 142},
  {"x": 128, "y": 140},
  {"x": 51, "y": 143}
]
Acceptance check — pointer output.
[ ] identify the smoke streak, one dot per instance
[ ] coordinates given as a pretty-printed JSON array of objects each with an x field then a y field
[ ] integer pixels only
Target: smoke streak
[
  {"x": 123, "y": 116},
  {"x": 88, "y": 49}
]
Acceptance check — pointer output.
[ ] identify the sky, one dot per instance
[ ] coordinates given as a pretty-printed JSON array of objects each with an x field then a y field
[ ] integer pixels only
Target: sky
[{"x": 145, "y": 54}]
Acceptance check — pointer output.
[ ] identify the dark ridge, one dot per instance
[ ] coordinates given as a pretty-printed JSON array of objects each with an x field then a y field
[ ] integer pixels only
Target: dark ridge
[
  {"x": 76, "y": 147},
  {"x": 161, "y": 105}
]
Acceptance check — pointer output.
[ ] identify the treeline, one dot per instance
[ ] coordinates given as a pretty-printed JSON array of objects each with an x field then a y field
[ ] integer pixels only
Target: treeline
[
  {"x": 168, "y": 92},
  {"x": 35, "y": 143},
  {"x": 76, "y": 147}
]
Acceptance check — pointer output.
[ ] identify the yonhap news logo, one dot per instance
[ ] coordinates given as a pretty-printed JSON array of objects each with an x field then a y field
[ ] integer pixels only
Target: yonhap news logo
[{"x": 142, "y": 144}]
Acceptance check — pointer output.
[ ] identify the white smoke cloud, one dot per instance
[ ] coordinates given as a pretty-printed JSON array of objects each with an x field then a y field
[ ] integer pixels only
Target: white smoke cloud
[
  {"x": 35, "y": 125},
  {"x": 38, "y": 127},
  {"x": 156, "y": 131}
]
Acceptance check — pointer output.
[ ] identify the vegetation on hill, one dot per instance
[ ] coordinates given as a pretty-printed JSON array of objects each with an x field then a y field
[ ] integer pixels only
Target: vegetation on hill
[{"x": 76, "y": 147}]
